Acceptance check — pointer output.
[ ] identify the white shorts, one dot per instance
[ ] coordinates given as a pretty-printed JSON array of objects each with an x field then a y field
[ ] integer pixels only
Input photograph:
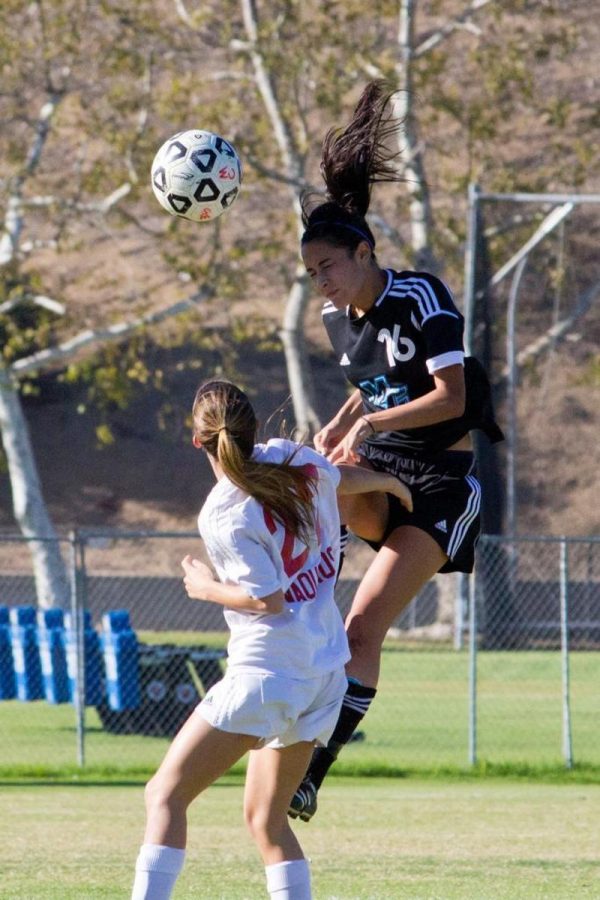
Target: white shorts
[{"x": 279, "y": 711}]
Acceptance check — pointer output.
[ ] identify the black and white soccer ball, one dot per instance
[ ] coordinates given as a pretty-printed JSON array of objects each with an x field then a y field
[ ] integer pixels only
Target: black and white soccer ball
[{"x": 196, "y": 175}]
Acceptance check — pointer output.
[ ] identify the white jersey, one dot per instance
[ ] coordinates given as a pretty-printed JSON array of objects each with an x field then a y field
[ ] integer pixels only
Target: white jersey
[{"x": 249, "y": 548}]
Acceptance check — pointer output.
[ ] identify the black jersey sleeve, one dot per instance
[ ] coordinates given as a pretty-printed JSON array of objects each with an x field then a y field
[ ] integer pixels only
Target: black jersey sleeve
[{"x": 438, "y": 319}]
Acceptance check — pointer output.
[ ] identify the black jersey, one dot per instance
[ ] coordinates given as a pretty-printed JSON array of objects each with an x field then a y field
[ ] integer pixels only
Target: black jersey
[{"x": 390, "y": 354}]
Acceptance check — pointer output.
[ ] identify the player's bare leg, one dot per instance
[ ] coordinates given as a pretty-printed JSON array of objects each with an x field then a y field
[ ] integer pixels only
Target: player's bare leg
[
  {"x": 403, "y": 566},
  {"x": 365, "y": 514},
  {"x": 271, "y": 779},
  {"x": 198, "y": 755}
]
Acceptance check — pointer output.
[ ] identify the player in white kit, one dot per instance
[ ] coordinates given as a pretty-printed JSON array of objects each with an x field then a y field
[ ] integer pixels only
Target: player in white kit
[{"x": 271, "y": 529}]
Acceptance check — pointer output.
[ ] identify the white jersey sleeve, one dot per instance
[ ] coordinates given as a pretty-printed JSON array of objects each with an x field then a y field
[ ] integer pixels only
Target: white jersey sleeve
[{"x": 240, "y": 548}]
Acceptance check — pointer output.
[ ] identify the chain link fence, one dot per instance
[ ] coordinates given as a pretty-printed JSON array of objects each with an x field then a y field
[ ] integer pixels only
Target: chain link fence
[{"x": 502, "y": 667}]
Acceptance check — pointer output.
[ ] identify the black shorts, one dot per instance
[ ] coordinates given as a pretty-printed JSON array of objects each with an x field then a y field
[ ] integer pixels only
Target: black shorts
[{"x": 446, "y": 501}]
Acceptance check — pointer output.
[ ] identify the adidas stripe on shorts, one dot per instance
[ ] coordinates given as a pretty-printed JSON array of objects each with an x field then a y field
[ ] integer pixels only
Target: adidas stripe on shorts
[
  {"x": 446, "y": 499},
  {"x": 280, "y": 711}
]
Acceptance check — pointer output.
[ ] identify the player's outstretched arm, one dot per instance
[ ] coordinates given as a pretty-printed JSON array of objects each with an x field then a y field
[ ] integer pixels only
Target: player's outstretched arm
[
  {"x": 360, "y": 480},
  {"x": 200, "y": 584}
]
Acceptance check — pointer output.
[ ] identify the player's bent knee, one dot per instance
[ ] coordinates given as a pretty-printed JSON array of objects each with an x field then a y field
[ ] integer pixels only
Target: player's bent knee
[
  {"x": 151, "y": 795},
  {"x": 264, "y": 826},
  {"x": 157, "y": 795},
  {"x": 364, "y": 514},
  {"x": 358, "y": 632},
  {"x": 362, "y": 640},
  {"x": 254, "y": 820}
]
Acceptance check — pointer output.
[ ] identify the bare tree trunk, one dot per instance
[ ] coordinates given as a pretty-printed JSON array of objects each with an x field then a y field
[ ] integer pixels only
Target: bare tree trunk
[
  {"x": 51, "y": 580},
  {"x": 421, "y": 218},
  {"x": 292, "y": 332},
  {"x": 52, "y": 583},
  {"x": 421, "y": 215}
]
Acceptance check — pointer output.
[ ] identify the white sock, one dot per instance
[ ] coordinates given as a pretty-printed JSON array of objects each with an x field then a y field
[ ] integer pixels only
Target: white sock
[
  {"x": 156, "y": 872},
  {"x": 289, "y": 880}
]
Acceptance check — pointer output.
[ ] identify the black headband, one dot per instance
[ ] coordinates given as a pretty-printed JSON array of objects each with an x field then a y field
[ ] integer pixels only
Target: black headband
[{"x": 363, "y": 234}]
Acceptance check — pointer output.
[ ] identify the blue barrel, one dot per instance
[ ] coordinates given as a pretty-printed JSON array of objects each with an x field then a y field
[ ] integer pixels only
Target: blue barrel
[
  {"x": 51, "y": 618},
  {"x": 8, "y": 687},
  {"x": 22, "y": 615},
  {"x": 121, "y": 661},
  {"x": 53, "y": 655},
  {"x": 116, "y": 620},
  {"x": 92, "y": 657},
  {"x": 25, "y": 651}
]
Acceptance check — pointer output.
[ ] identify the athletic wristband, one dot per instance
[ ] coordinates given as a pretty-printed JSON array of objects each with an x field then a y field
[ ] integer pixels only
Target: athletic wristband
[{"x": 370, "y": 424}]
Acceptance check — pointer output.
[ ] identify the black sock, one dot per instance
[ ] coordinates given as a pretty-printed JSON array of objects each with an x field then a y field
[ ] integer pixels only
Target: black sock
[
  {"x": 357, "y": 700},
  {"x": 344, "y": 536}
]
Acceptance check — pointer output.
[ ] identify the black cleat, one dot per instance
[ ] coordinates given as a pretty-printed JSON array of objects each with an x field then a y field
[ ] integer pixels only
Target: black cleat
[{"x": 304, "y": 802}]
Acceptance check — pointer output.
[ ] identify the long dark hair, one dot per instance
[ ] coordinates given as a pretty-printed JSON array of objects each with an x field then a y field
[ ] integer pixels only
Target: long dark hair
[
  {"x": 353, "y": 159},
  {"x": 225, "y": 423}
]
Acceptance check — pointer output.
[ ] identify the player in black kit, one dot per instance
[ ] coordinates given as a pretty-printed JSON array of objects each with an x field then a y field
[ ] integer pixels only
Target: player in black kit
[{"x": 399, "y": 338}]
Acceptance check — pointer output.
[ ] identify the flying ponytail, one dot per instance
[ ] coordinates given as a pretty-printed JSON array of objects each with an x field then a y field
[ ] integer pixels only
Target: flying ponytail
[{"x": 353, "y": 160}]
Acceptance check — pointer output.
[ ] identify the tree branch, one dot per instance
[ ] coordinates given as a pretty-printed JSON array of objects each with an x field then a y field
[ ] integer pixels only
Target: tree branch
[
  {"x": 462, "y": 21},
  {"x": 38, "y": 299},
  {"x": 558, "y": 331},
  {"x": 183, "y": 14},
  {"x": 265, "y": 85},
  {"x": 141, "y": 122},
  {"x": 100, "y": 206},
  {"x": 292, "y": 181},
  {"x": 13, "y": 218},
  {"x": 45, "y": 359}
]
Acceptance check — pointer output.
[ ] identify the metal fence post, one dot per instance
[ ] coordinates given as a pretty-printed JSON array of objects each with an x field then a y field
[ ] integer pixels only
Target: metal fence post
[
  {"x": 511, "y": 431},
  {"x": 470, "y": 264},
  {"x": 77, "y": 617},
  {"x": 472, "y": 670},
  {"x": 461, "y": 599},
  {"x": 567, "y": 739}
]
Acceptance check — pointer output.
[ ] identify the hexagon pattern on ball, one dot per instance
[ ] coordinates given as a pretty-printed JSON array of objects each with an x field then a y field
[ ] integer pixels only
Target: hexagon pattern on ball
[{"x": 196, "y": 175}]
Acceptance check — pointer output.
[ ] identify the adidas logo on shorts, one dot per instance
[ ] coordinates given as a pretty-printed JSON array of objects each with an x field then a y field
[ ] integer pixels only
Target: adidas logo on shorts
[{"x": 441, "y": 526}]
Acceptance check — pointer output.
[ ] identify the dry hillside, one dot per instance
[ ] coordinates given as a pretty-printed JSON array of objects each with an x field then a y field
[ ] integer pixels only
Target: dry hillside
[{"x": 151, "y": 478}]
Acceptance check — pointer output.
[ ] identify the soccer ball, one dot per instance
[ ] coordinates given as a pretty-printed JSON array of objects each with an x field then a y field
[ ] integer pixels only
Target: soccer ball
[{"x": 197, "y": 175}]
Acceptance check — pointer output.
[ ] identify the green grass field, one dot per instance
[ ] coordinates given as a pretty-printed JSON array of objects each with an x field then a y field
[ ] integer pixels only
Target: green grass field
[
  {"x": 434, "y": 828},
  {"x": 372, "y": 838},
  {"x": 418, "y": 723}
]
